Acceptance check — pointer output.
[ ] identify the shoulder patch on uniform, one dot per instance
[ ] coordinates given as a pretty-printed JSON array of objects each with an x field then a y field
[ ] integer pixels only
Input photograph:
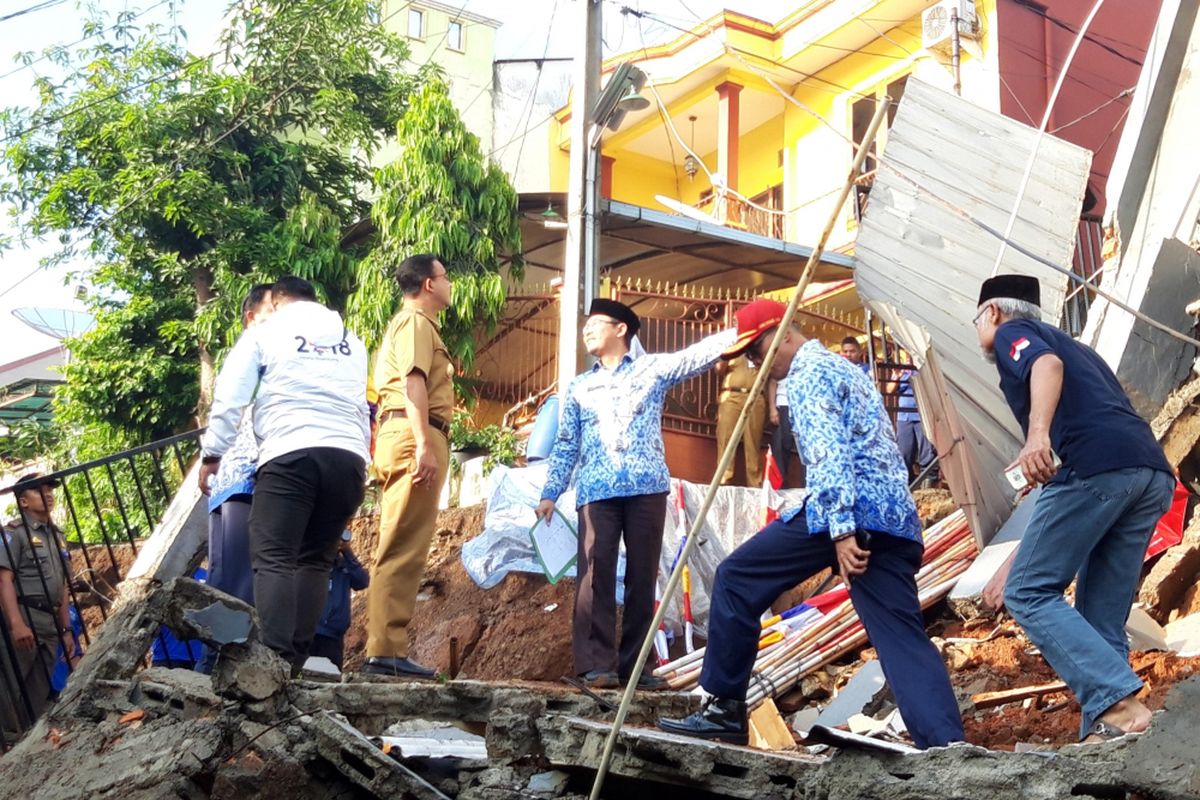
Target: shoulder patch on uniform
[{"x": 1014, "y": 352}]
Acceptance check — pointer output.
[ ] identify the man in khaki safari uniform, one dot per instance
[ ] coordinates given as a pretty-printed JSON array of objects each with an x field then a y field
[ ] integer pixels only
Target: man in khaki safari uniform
[
  {"x": 737, "y": 377},
  {"x": 33, "y": 599},
  {"x": 413, "y": 373}
]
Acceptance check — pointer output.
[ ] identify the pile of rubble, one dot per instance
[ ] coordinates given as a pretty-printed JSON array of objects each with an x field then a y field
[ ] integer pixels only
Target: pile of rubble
[
  {"x": 503, "y": 727},
  {"x": 250, "y": 732}
]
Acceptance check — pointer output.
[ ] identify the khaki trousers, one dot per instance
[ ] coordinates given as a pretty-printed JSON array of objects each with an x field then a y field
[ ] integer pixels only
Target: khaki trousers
[
  {"x": 25, "y": 675},
  {"x": 727, "y": 415},
  {"x": 408, "y": 515}
]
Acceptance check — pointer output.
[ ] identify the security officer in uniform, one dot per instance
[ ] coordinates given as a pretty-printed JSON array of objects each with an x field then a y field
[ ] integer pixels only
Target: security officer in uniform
[
  {"x": 33, "y": 599},
  {"x": 412, "y": 456},
  {"x": 737, "y": 378}
]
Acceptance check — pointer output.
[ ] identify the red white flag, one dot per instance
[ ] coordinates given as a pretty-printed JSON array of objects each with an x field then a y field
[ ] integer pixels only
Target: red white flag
[
  {"x": 772, "y": 479},
  {"x": 1014, "y": 352}
]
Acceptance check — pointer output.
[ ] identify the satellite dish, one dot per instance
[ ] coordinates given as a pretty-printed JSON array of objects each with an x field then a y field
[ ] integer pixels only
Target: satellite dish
[
  {"x": 57, "y": 323},
  {"x": 684, "y": 210}
]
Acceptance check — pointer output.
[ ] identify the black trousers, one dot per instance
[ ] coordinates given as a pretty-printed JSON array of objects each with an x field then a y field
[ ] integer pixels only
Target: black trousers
[
  {"x": 302, "y": 502},
  {"x": 602, "y": 524},
  {"x": 885, "y": 596},
  {"x": 783, "y": 446},
  {"x": 329, "y": 647}
]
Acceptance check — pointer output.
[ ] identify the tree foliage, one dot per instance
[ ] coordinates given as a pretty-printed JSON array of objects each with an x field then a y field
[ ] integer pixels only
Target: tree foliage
[
  {"x": 190, "y": 178},
  {"x": 442, "y": 196}
]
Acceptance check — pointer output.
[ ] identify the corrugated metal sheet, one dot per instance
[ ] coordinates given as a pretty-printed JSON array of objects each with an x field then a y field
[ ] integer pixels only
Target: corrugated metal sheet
[
  {"x": 950, "y": 172},
  {"x": 668, "y": 249}
]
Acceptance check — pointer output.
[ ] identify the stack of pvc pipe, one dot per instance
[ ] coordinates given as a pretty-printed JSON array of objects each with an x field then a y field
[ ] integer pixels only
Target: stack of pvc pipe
[{"x": 791, "y": 648}]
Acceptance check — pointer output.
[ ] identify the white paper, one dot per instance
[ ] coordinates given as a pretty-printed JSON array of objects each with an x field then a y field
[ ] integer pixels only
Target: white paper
[
  {"x": 556, "y": 545},
  {"x": 1183, "y": 636}
]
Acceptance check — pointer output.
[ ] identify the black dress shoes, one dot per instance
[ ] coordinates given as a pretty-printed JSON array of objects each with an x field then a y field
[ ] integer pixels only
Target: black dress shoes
[
  {"x": 396, "y": 667},
  {"x": 720, "y": 719},
  {"x": 651, "y": 683}
]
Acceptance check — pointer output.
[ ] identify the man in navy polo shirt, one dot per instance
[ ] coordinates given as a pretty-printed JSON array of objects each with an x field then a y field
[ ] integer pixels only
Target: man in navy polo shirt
[{"x": 1096, "y": 511}]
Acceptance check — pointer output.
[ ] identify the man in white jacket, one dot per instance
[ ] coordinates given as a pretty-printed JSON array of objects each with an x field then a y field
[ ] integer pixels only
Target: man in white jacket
[{"x": 306, "y": 376}]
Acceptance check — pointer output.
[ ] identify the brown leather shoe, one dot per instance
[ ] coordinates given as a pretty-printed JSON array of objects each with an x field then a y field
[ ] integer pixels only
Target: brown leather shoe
[{"x": 600, "y": 679}]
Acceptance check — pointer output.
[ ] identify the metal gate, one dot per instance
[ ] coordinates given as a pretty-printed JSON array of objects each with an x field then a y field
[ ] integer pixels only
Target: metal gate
[{"x": 519, "y": 362}]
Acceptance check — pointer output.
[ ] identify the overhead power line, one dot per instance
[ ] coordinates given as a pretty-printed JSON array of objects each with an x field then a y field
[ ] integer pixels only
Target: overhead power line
[
  {"x": 124, "y": 20},
  {"x": 36, "y": 7}
]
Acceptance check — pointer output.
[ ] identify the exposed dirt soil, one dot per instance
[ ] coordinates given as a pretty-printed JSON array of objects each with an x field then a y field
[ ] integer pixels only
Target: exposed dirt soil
[
  {"x": 1009, "y": 661},
  {"x": 520, "y": 629},
  {"x": 95, "y": 586},
  {"x": 934, "y": 505}
]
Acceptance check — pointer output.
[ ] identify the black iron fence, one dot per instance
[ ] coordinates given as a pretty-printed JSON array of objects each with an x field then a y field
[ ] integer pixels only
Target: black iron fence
[{"x": 72, "y": 537}]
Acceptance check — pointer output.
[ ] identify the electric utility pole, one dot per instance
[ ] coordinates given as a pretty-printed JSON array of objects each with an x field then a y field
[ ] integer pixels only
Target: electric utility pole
[{"x": 580, "y": 278}]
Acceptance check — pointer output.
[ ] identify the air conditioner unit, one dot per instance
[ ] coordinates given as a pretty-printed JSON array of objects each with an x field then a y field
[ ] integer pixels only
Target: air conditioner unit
[{"x": 936, "y": 30}]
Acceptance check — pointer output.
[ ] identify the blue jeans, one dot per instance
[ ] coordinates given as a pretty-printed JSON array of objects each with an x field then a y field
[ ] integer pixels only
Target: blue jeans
[{"x": 1095, "y": 530}]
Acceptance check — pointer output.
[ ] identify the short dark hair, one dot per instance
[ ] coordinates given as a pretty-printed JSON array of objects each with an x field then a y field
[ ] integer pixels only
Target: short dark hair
[
  {"x": 254, "y": 298},
  {"x": 850, "y": 340},
  {"x": 415, "y": 270},
  {"x": 294, "y": 288}
]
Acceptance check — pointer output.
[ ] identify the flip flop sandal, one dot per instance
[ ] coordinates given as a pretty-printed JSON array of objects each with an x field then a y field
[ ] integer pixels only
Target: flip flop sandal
[{"x": 1107, "y": 731}]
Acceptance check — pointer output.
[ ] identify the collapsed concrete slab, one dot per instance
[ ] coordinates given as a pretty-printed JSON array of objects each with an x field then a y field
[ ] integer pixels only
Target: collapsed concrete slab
[
  {"x": 657, "y": 757},
  {"x": 363, "y": 763},
  {"x": 371, "y": 707},
  {"x": 1158, "y": 764}
]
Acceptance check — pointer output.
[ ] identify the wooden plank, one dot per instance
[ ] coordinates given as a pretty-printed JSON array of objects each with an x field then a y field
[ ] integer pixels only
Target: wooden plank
[
  {"x": 993, "y": 699},
  {"x": 768, "y": 731}
]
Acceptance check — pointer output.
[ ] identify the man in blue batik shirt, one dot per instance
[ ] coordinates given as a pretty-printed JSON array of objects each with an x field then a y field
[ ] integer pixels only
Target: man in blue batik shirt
[
  {"x": 610, "y": 436},
  {"x": 858, "y": 519}
]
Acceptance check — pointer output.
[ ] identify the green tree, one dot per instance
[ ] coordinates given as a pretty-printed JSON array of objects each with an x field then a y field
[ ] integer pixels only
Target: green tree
[
  {"x": 190, "y": 178},
  {"x": 440, "y": 195}
]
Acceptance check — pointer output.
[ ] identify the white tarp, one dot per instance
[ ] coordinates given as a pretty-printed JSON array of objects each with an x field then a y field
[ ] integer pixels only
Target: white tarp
[{"x": 504, "y": 546}]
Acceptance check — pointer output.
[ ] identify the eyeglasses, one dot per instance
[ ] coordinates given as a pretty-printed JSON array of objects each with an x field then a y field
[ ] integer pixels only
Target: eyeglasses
[
  {"x": 594, "y": 322},
  {"x": 442, "y": 274},
  {"x": 979, "y": 316}
]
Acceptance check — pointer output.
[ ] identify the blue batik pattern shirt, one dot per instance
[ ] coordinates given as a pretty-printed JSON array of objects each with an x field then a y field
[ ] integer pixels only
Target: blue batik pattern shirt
[
  {"x": 236, "y": 474},
  {"x": 610, "y": 434},
  {"x": 856, "y": 478}
]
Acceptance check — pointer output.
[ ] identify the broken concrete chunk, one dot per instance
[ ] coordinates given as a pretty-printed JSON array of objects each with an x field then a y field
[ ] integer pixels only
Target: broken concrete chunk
[
  {"x": 804, "y": 719},
  {"x": 553, "y": 782},
  {"x": 1143, "y": 632},
  {"x": 179, "y": 692},
  {"x": 352, "y": 754},
  {"x": 1183, "y": 636},
  {"x": 250, "y": 672},
  {"x": 218, "y": 624},
  {"x": 1173, "y": 574}
]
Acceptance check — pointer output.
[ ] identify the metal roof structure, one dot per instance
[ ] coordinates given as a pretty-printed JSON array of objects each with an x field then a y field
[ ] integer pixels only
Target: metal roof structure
[
  {"x": 947, "y": 184},
  {"x": 666, "y": 248},
  {"x": 29, "y": 398}
]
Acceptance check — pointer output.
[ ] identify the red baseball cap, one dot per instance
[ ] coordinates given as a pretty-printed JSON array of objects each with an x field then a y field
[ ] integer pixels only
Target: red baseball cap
[{"x": 753, "y": 321}]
